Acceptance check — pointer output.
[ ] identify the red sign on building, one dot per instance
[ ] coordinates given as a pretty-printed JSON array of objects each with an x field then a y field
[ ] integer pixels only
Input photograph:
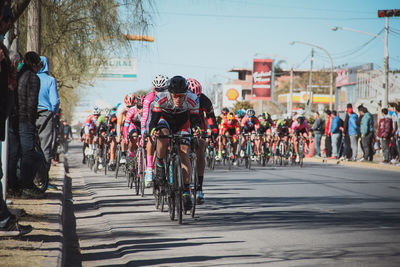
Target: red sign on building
[{"x": 262, "y": 76}]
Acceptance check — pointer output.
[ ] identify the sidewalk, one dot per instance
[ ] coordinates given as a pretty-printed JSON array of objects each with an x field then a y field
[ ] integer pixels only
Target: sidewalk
[
  {"x": 44, "y": 245},
  {"x": 366, "y": 164}
]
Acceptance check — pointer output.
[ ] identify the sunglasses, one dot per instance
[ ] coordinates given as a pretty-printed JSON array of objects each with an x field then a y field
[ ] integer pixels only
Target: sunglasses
[{"x": 178, "y": 95}]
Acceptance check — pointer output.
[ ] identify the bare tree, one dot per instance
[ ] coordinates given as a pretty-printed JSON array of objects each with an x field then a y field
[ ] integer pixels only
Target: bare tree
[{"x": 78, "y": 36}]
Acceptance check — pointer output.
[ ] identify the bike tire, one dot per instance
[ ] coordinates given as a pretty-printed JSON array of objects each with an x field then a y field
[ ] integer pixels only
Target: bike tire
[
  {"x": 178, "y": 182},
  {"x": 117, "y": 161},
  {"x": 96, "y": 161},
  {"x": 142, "y": 167},
  {"x": 105, "y": 157},
  {"x": 213, "y": 160},
  {"x": 228, "y": 155},
  {"x": 194, "y": 181}
]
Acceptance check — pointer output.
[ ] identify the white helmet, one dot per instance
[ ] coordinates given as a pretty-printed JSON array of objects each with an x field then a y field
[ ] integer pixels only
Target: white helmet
[
  {"x": 274, "y": 117},
  {"x": 160, "y": 81},
  {"x": 96, "y": 111}
]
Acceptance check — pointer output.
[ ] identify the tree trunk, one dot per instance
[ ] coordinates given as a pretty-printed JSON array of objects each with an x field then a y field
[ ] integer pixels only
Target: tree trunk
[
  {"x": 34, "y": 19},
  {"x": 19, "y": 7}
]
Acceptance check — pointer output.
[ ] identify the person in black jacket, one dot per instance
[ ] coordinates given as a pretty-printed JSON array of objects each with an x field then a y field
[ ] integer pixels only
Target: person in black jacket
[
  {"x": 348, "y": 151},
  {"x": 318, "y": 130},
  {"x": 9, "y": 225},
  {"x": 22, "y": 131}
]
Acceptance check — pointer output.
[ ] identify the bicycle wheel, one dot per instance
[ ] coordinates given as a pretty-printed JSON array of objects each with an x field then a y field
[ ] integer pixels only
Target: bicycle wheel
[
  {"x": 250, "y": 155},
  {"x": 213, "y": 154},
  {"x": 105, "y": 157},
  {"x": 228, "y": 155},
  {"x": 301, "y": 152},
  {"x": 178, "y": 184},
  {"x": 96, "y": 160},
  {"x": 142, "y": 168},
  {"x": 194, "y": 182},
  {"x": 118, "y": 153}
]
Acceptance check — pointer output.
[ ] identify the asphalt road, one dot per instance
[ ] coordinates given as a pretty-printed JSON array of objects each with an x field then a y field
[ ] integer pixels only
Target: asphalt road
[{"x": 318, "y": 215}]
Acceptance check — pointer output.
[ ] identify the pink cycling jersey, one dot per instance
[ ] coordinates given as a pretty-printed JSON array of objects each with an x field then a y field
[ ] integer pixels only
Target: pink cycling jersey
[
  {"x": 146, "y": 110},
  {"x": 297, "y": 126},
  {"x": 132, "y": 119}
]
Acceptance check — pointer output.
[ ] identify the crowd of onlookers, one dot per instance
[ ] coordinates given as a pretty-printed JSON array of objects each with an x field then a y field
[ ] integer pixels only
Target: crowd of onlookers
[
  {"x": 30, "y": 103},
  {"x": 344, "y": 137}
]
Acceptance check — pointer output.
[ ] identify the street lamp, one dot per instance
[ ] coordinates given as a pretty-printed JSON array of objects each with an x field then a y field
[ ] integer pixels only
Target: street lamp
[
  {"x": 330, "y": 58},
  {"x": 385, "y": 60}
]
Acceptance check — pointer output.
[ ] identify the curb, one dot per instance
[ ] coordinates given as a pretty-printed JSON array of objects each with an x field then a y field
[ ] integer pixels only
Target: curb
[
  {"x": 368, "y": 165},
  {"x": 54, "y": 258}
]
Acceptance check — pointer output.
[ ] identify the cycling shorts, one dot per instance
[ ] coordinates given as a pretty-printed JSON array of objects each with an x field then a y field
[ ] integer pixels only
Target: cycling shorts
[{"x": 185, "y": 129}]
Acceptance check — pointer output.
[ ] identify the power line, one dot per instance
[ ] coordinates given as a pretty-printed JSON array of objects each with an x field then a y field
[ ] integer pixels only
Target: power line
[
  {"x": 302, "y": 7},
  {"x": 264, "y": 17}
]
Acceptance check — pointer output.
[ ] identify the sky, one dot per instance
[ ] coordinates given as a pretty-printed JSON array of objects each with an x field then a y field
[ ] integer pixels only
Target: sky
[{"x": 203, "y": 39}]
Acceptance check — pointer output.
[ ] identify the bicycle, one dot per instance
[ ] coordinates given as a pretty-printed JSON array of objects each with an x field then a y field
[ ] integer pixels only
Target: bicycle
[
  {"x": 118, "y": 163},
  {"x": 172, "y": 190},
  {"x": 41, "y": 179},
  {"x": 194, "y": 178},
  {"x": 301, "y": 151},
  {"x": 211, "y": 153},
  {"x": 227, "y": 153},
  {"x": 141, "y": 168},
  {"x": 249, "y": 153}
]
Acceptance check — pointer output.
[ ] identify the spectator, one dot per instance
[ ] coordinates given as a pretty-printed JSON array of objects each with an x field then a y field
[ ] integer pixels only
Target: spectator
[
  {"x": 48, "y": 106},
  {"x": 393, "y": 145},
  {"x": 9, "y": 225},
  {"x": 367, "y": 134},
  {"x": 359, "y": 108},
  {"x": 352, "y": 132},
  {"x": 385, "y": 133},
  {"x": 317, "y": 129},
  {"x": 66, "y": 135},
  {"x": 397, "y": 132},
  {"x": 328, "y": 140},
  {"x": 22, "y": 132},
  {"x": 347, "y": 141},
  {"x": 336, "y": 135}
]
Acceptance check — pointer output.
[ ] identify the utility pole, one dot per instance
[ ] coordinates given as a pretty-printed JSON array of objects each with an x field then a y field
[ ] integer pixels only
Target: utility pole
[
  {"x": 386, "y": 61},
  {"x": 290, "y": 108},
  {"x": 308, "y": 105},
  {"x": 34, "y": 21},
  {"x": 386, "y": 14}
]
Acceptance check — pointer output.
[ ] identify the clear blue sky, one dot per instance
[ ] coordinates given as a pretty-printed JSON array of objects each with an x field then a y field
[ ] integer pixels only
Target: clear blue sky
[{"x": 204, "y": 38}]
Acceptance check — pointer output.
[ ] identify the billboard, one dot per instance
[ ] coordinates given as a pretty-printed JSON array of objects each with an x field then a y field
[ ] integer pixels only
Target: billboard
[
  {"x": 262, "y": 78},
  {"x": 119, "y": 69}
]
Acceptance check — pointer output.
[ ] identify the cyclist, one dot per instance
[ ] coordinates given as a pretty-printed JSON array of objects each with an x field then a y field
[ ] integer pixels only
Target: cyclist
[
  {"x": 299, "y": 127},
  {"x": 229, "y": 128},
  {"x": 102, "y": 128},
  {"x": 159, "y": 83},
  {"x": 175, "y": 111},
  {"x": 249, "y": 125},
  {"x": 221, "y": 118},
  {"x": 240, "y": 115},
  {"x": 262, "y": 131},
  {"x": 129, "y": 101},
  {"x": 282, "y": 133},
  {"x": 90, "y": 131},
  {"x": 208, "y": 121},
  {"x": 111, "y": 133},
  {"x": 132, "y": 126}
]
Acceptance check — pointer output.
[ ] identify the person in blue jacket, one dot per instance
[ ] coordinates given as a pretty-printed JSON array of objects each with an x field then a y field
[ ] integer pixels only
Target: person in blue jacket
[
  {"x": 352, "y": 132},
  {"x": 48, "y": 106},
  {"x": 336, "y": 134}
]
